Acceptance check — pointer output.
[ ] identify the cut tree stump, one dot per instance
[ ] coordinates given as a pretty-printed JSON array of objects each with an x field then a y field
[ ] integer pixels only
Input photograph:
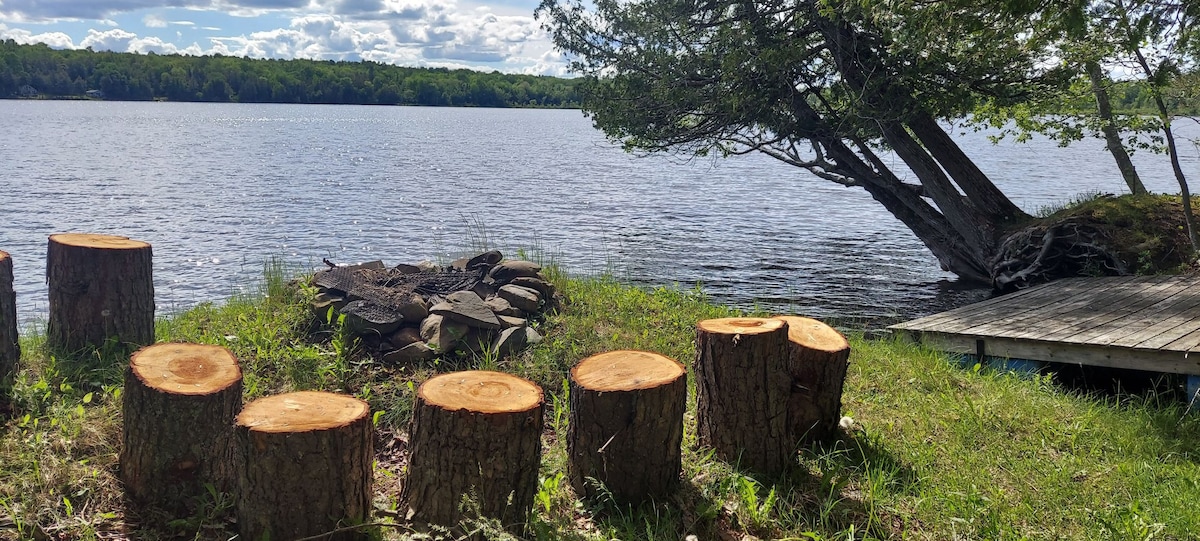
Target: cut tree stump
[
  {"x": 476, "y": 434},
  {"x": 743, "y": 384},
  {"x": 307, "y": 471},
  {"x": 101, "y": 288},
  {"x": 179, "y": 404},
  {"x": 10, "y": 348},
  {"x": 819, "y": 358},
  {"x": 626, "y": 425}
]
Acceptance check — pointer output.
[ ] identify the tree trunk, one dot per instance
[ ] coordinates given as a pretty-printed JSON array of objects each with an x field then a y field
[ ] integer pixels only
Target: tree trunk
[
  {"x": 626, "y": 425},
  {"x": 1185, "y": 194},
  {"x": 179, "y": 403},
  {"x": 743, "y": 384},
  {"x": 10, "y": 347},
  {"x": 1112, "y": 137},
  {"x": 475, "y": 434},
  {"x": 101, "y": 289},
  {"x": 819, "y": 358},
  {"x": 308, "y": 466}
]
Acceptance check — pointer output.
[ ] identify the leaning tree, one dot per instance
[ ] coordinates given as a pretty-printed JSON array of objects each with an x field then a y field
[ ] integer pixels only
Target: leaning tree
[{"x": 826, "y": 86}]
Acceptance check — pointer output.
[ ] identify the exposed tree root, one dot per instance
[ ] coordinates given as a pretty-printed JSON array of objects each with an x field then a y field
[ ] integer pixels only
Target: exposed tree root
[{"x": 1045, "y": 252}]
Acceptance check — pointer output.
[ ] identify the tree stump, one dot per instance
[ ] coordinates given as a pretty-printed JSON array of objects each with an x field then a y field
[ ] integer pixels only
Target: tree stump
[
  {"x": 819, "y": 358},
  {"x": 10, "y": 347},
  {"x": 475, "y": 434},
  {"x": 626, "y": 425},
  {"x": 743, "y": 384},
  {"x": 179, "y": 404},
  {"x": 101, "y": 288},
  {"x": 308, "y": 458}
]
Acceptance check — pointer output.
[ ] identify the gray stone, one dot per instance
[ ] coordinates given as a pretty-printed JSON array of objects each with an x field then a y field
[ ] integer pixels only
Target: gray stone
[
  {"x": 405, "y": 336},
  {"x": 415, "y": 309},
  {"x": 428, "y": 266},
  {"x": 413, "y": 353},
  {"x": 523, "y": 298},
  {"x": 545, "y": 288},
  {"x": 501, "y": 307},
  {"x": 511, "y": 321},
  {"x": 513, "y": 268},
  {"x": 405, "y": 268},
  {"x": 476, "y": 340},
  {"x": 442, "y": 333},
  {"x": 484, "y": 290},
  {"x": 532, "y": 336},
  {"x": 510, "y": 340},
  {"x": 467, "y": 307}
]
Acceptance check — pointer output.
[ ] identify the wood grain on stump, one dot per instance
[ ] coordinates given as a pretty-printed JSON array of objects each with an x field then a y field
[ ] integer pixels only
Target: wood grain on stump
[
  {"x": 819, "y": 358},
  {"x": 743, "y": 384},
  {"x": 179, "y": 403},
  {"x": 101, "y": 288},
  {"x": 626, "y": 425},
  {"x": 10, "y": 349},
  {"x": 308, "y": 458},
  {"x": 476, "y": 434}
]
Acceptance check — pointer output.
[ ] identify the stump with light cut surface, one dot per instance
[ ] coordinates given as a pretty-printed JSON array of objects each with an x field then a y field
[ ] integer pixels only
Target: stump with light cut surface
[
  {"x": 101, "y": 289},
  {"x": 626, "y": 425},
  {"x": 819, "y": 358},
  {"x": 178, "y": 404},
  {"x": 475, "y": 434},
  {"x": 307, "y": 471},
  {"x": 743, "y": 384},
  {"x": 10, "y": 349}
]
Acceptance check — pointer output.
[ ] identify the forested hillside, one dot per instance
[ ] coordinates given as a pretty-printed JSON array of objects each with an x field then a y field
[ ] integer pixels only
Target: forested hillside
[{"x": 126, "y": 76}]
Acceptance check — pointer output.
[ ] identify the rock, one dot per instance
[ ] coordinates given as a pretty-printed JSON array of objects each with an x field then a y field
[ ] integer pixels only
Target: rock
[
  {"x": 522, "y": 298},
  {"x": 484, "y": 260},
  {"x": 484, "y": 290},
  {"x": 501, "y": 307},
  {"x": 510, "y": 340},
  {"x": 415, "y": 310},
  {"x": 467, "y": 307},
  {"x": 532, "y": 336},
  {"x": 405, "y": 268},
  {"x": 405, "y": 336},
  {"x": 542, "y": 286},
  {"x": 442, "y": 333},
  {"x": 413, "y": 353},
  {"x": 428, "y": 266},
  {"x": 514, "y": 268},
  {"x": 364, "y": 318},
  {"x": 511, "y": 321},
  {"x": 477, "y": 340}
]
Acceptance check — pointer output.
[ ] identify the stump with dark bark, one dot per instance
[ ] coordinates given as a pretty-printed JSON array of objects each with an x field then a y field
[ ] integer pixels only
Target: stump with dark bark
[
  {"x": 179, "y": 403},
  {"x": 101, "y": 288},
  {"x": 475, "y": 434},
  {"x": 626, "y": 425},
  {"x": 10, "y": 349},
  {"x": 743, "y": 385},
  {"x": 819, "y": 358},
  {"x": 307, "y": 471}
]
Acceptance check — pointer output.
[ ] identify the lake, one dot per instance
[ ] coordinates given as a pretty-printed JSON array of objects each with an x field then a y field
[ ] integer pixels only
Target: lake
[{"x": 218, "y": 189}]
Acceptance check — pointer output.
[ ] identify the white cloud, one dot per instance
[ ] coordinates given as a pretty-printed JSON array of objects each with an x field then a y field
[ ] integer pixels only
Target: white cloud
[
  {"x": 56, "y": 40},
  {"x": 154, "y": 21}
]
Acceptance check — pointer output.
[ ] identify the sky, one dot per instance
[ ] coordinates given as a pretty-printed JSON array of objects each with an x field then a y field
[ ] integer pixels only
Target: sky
[{"x": 500, "y": 35}]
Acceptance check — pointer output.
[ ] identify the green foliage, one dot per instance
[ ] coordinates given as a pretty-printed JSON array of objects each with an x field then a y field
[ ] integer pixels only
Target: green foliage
[{"x": 127, "y": 76}]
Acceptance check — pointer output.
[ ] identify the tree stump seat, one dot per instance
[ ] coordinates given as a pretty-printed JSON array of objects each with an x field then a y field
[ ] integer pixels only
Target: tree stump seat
[
  {"x": 101, "y": 289},
  {"x": 626, "y": 425},
  {"x": 475, "y": 434},
  {"x": 10, "y": 348},
  {"x": 308, "y": 466},
  {"x": 179, "y": 404},
  {"x": 820, "y": 356}
]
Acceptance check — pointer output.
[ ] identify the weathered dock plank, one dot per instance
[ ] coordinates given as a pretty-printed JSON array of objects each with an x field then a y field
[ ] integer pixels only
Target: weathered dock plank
[{"x": 1144, "y": 323}]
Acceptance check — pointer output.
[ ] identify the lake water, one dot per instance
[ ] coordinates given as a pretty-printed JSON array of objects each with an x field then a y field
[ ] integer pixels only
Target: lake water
[{"x": 218, "y": 189}]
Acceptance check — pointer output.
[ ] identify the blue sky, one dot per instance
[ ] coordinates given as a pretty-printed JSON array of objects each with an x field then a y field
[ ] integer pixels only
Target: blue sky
[{"x": 491, "y": 35}]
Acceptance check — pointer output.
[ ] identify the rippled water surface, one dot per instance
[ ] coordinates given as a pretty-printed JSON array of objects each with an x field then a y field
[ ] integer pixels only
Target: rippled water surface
[{"x": 218, "y": 189}]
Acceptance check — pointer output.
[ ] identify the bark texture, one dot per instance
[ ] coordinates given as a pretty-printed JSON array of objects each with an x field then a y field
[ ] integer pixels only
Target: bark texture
[
  {"x": 626, "y": 425},
  {"x": 1112, "y": 136},
  {"x": 475, "y": 434},
  {"x": 743, "y": 386},
  {"x": 179, "y": 404},
  {"x": 101, "y": 288},
  {"x": 10, "y": 349},
  {"x": 308, "y": 458},
  {"x": 819, "y": 358}
]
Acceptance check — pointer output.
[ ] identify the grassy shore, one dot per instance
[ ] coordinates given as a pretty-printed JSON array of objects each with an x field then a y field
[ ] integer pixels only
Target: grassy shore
[{"x": 936, "y": 451}]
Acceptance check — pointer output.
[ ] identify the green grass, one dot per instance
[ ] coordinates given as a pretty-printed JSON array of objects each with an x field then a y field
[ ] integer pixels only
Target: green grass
[{"x": 935, "y": 451}]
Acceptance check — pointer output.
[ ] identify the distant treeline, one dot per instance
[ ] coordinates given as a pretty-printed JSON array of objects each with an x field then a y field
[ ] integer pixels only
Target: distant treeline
[{"x": 38, "y": 70}]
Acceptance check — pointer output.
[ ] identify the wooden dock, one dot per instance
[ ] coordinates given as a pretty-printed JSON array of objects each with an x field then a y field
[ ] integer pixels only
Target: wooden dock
[{"x": 1143, "y": 323}]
